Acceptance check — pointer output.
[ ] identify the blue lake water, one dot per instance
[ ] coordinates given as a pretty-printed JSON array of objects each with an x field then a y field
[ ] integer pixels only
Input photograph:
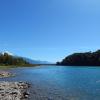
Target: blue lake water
[{"x": 60, "y": 82}]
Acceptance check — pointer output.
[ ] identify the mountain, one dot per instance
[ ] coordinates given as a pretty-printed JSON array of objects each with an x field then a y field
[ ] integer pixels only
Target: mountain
[
  {"x": 35, "y": 61},
  {"x": 82, "y": 59},
  {"x": 7, "y": 52}
]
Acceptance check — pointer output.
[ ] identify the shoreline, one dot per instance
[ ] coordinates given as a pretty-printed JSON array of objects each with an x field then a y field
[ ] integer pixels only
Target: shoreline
[
  {"x": 16, "y": 66},
  {"x": 13, "y": 90}
]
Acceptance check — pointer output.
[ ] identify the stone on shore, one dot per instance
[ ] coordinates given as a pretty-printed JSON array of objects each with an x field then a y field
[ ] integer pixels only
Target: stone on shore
[
  {"x": 14, "y": 91},
  {"x": 4, "y": 74}
]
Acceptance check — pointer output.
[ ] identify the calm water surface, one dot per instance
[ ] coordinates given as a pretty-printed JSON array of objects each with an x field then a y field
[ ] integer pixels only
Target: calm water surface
[{"x": 60, "y": 83}]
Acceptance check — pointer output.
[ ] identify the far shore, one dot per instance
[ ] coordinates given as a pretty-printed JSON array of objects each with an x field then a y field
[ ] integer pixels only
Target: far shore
[{"x": 16, "y": 66}]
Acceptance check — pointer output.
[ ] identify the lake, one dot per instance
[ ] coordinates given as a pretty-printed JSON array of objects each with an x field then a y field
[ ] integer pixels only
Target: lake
[{"x": 60, "y": 82}]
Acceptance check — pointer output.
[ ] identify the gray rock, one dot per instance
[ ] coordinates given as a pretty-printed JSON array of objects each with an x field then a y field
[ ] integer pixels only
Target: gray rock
[{"x": 14, "y": 91}]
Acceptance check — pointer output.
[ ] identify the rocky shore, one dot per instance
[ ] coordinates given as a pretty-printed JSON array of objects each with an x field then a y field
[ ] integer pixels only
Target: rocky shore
[
  {"x": 14, "y": 91},
  {"x": 4, "y": 74}
]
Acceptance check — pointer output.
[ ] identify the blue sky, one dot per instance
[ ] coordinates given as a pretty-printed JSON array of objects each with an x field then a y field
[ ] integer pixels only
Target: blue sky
[{"x": 49, "y": 29}]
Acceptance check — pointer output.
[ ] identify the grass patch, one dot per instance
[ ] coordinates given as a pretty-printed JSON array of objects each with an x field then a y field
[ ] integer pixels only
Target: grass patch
[{"x": 15, "y": 66}]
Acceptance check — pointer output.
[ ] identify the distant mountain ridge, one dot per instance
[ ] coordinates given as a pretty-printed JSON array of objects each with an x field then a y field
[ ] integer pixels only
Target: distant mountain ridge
[{"x": 35, "y": 61}]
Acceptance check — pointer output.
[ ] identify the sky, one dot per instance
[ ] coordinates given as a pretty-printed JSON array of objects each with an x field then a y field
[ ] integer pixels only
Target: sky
[{"x": 49, "y": 29}]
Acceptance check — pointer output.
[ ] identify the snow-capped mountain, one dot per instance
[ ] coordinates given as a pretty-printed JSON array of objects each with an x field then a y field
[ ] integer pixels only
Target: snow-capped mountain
[{"x": 9, "y": 53}]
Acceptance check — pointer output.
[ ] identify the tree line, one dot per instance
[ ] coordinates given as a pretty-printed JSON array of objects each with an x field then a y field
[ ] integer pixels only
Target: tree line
[{"x": 6, "y": 59}]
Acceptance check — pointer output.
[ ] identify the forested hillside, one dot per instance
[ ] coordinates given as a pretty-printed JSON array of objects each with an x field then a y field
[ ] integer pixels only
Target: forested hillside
[
  {"x": 82, "y": 59},
  {"x": 6, "y": 59}
]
